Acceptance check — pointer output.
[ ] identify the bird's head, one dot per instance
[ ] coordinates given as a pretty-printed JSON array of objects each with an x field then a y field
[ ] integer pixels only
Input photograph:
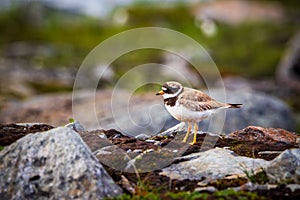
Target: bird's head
[{"x": 170, "y": 89}]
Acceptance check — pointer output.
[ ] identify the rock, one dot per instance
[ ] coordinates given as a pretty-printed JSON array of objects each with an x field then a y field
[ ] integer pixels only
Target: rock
[
  {"x": 265, "y": 135},
  {"x": 53, "y": 165},
  {"x": 180, "y": 127},
  {"x": 254, "y": 112},
  {"x": 249, "y": 186},
  {"x": 293, "y": 187},
  {"x": 285, "y": 168},
  {"x": 127, "y": 185},
  {"x": 76, "y": 126},
  {"x": 212, "y": 165},
  {"x": 209, "y": 189},
  {"x": 142, "y": 137},
  {"x": 10, "y": 133},
  {"x": 288, "y": 71},
  {"x": 95, "y": 139}
]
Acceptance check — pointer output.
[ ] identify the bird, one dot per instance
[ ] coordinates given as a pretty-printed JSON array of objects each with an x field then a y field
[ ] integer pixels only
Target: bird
[{"x": 190, "y": 105}]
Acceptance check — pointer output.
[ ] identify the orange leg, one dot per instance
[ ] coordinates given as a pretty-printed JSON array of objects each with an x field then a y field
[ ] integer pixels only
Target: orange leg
[
  {"x": 187, "y": 133},
  {"x": 195, "y": 133}
]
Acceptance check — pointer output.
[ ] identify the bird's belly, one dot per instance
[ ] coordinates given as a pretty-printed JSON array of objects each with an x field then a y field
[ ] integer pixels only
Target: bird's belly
[{"x": 183, "y": 114}]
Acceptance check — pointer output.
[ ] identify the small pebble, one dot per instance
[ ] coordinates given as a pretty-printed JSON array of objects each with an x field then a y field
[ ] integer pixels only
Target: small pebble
[
  {"x": 117, "y": 136},
  {"x": 102, "y": 135},
  {"x": 157, "y": 143},
  {"x": 210, "y": 189},
  {"x": 151, "y": 141},
  {"x": 137, "y": 151},
  {"x": 129, "y": 151},
  {"x": 142, "y": 137}
]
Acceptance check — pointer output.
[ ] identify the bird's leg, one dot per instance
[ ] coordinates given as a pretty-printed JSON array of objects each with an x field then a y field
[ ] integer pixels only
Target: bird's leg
[
  {"x": 187, "y": 133},
  {"x": 195, "y": 133}
]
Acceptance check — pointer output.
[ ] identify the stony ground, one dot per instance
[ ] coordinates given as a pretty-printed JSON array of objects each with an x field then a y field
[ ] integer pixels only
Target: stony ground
[
  {"x": 154, "y": 181},
  {"x": 149, "y": 182}
]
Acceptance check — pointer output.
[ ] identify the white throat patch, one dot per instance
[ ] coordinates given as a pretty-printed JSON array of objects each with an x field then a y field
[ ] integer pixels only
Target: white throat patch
[{"x": 167, "y": 96}]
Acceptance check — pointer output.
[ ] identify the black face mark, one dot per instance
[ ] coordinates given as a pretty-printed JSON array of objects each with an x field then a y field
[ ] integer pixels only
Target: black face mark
[
  {"x": 170, "y": 101},
  {"x": 170, "y": 89}
]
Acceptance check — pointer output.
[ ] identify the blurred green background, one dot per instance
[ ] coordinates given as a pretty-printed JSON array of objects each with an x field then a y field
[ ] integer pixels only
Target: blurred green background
[
  {"x": 49, "y": 35},
  {"x": 250, "y": 48}
]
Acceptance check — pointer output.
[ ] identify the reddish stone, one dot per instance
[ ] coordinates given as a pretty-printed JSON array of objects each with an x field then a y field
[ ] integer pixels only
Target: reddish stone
[{"x": 265, "y": 135}]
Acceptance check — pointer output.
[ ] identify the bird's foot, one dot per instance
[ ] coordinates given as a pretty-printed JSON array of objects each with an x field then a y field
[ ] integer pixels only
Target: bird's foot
[{"x": 192, "y": 143}]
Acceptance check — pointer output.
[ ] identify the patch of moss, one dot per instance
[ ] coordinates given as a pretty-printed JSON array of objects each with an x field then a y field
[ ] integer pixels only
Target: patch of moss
[
  {"x": 223, "y": 184},
  {"x": 231, "y": 194},
  {"x": 185, "y": 195},
  {"x": 243, "y": 149},
  {"x": 260, "y": 177},
  {"x": 223, "y": 194}
]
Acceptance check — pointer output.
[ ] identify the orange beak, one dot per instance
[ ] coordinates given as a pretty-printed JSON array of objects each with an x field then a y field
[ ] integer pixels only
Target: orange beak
[{"x": 160, "y": 93}]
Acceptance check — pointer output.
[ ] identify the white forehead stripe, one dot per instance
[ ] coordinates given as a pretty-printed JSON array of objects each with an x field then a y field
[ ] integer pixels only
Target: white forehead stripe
[{"x": 163, "y": 88}]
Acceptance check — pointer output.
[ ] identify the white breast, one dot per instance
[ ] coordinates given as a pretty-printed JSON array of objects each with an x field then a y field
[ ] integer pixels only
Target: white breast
[{"x": 181, "y": 113}]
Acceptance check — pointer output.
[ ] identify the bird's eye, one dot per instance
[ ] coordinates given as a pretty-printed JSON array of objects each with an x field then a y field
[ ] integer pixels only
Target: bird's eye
[{"x": 164, "y": 89}]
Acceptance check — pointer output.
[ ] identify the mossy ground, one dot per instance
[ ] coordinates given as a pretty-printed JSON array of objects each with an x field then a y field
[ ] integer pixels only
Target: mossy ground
[{"x": 224, "y": 194}]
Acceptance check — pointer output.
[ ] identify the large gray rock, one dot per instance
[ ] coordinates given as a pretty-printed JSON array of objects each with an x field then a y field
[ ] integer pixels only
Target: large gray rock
[
  {"x": 285, "y": 168},
  {"x": 258, "y": 109},
  {"x": 53, "y": 165},
  {"x": 211, "y": 165}
]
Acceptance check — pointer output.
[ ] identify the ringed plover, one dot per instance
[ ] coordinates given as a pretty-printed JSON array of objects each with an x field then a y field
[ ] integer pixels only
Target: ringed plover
[{"x": 190, "y": 105}]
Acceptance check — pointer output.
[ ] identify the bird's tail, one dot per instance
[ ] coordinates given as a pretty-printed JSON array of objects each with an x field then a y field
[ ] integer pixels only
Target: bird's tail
[{"x": 235, "y": 105}]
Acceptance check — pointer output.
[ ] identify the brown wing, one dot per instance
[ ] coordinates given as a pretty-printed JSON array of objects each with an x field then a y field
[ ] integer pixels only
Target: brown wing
[
  {"x": 195, "y": 95},
  {"x": 202, "y": 106},
  {"x": 196, "y": 100}
]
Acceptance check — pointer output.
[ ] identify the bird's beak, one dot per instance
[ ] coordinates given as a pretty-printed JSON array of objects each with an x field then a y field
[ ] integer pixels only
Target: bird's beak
[{"x": 160, "y": 93}]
